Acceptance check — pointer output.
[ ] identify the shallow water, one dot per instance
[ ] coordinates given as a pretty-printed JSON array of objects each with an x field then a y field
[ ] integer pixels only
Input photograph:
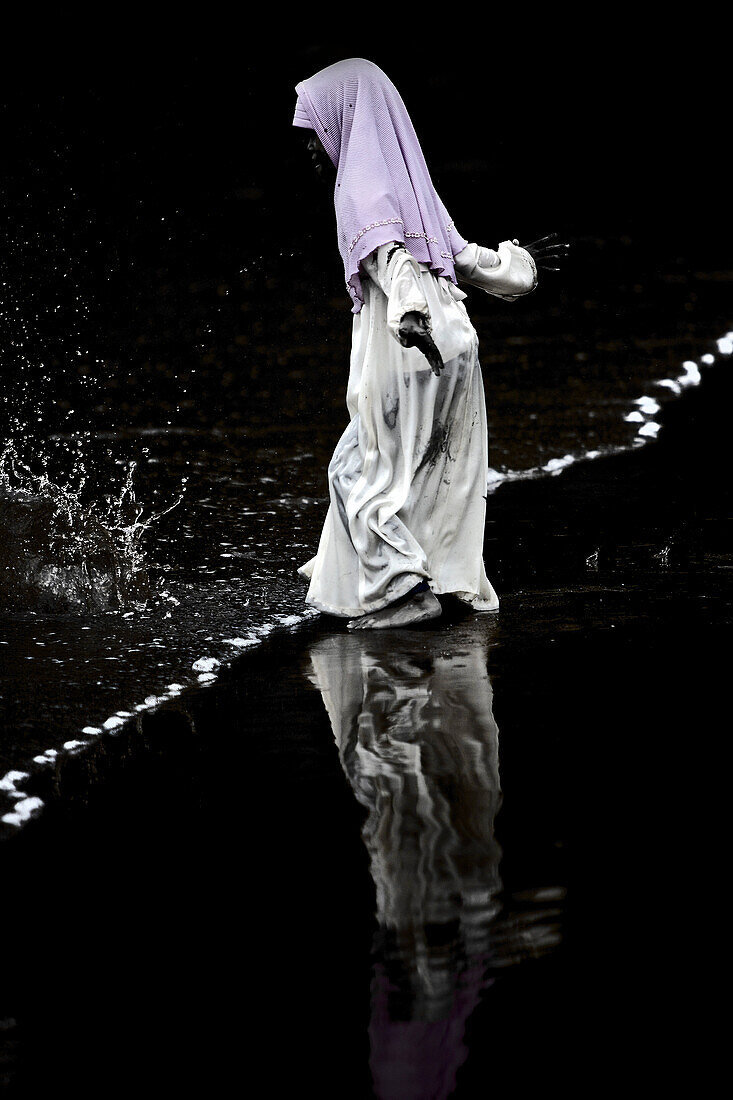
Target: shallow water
[
  {"x": 219, "y": 577},
  {"x": 413, "y": 735},
  {"x": 239, "y": 507},
  {"x": 480, "y": 858},
  {"x": 423, "y": 869},
  {"x": 170, "y": 312},
  {"x": 419, "y": 744},
  {"x": 435, "y": 881}
]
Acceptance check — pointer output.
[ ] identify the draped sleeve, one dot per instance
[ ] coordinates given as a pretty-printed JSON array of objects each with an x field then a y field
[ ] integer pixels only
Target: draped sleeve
[
  {"x": 398, "y": 275},
  {"x": 508, "y": 273}
]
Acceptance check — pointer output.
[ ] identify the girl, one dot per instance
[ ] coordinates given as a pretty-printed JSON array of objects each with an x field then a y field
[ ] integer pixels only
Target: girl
[{"x": 407, "y": 481}]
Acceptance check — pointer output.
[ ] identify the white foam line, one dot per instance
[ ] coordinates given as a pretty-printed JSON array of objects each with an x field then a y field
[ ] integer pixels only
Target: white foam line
[
  {"x": 647, "y": 405},
  {"x": 649, "y": 428},
  {"x": 205, "y": 664},
  {"x": 552, "y": 468},
  {"x": 23, "y": 811},
  {"x": 9, "y": 781},
  {"x": 26, "y": 806},
  {"x": 555, "y": 465},
  {"x": 692, "y": 376}
]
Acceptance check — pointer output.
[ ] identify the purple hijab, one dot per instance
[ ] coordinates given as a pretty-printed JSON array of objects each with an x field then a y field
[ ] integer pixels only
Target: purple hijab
[{"x": 383, "y": 189}]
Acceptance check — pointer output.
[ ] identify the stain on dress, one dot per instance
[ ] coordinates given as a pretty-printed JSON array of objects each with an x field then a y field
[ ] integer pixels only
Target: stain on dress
[
  {"x": 390, "y": 410},
  {"x": 438, "y": 444}
]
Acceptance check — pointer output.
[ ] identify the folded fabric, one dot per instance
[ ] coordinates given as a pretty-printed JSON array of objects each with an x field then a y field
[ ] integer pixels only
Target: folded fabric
[
  {"x": 300, "y": 118},
  {"x": 513, "y": 276}
]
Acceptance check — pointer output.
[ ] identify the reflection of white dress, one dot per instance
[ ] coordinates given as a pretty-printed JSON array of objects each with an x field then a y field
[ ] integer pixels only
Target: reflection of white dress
[
  {"x": 408, "y": 478},
  {"x": 419, "y": 743}
]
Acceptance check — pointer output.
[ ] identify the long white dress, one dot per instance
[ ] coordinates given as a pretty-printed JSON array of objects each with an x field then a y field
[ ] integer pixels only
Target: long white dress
[{"x": 408, "y": 479}]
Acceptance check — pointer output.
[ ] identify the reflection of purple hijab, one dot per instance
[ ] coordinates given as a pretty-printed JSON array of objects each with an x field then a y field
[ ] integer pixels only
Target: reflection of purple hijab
[{"x": 383, "y": 189}]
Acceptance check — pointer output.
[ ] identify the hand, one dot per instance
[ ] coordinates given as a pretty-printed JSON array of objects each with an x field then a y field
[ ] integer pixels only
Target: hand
[
  {"x": 413, "y": 333},
  {"x": 547, "y": 252}
]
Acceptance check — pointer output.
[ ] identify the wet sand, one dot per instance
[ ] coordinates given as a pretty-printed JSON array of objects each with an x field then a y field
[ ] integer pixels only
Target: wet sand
[{"x": 198, "y": 898}]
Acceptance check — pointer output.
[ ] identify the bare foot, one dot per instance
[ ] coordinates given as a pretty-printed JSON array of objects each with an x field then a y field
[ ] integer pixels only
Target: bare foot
[{"x": 420, "y": 608}]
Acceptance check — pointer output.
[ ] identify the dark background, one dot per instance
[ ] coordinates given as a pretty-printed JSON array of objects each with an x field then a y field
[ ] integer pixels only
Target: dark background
[
  {"x": 140, "y": 179},
  {"x": 159, "y": 211}
]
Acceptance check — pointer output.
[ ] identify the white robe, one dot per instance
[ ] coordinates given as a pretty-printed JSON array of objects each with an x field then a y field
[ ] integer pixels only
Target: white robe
[{"x": 408, "y": 479}]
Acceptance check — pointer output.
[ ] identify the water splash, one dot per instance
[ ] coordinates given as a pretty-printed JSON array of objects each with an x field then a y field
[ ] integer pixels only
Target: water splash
[{"x": 59, "y": 552}]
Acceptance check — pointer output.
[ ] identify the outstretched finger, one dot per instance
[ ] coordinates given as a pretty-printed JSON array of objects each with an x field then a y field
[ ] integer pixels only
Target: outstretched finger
[
  {"x": 432, "y": 355},
  {"x": 540, "y": 241},
  {"x": 549, "y": 253},
  {"x": 551, "y": 247},
  {"x": 556, "y": 246},
  {"x": 542, "y": 261}
]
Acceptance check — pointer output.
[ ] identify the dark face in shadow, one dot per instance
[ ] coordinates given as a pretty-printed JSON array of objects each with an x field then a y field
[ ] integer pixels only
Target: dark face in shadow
[{"x": 320, "y": 158}]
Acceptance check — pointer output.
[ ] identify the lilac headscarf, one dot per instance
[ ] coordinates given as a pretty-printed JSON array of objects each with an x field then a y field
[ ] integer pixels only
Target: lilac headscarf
[{"x": 383, "y": 188}]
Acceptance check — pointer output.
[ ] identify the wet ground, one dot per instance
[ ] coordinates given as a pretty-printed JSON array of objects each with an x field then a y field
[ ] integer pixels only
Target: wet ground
[
  {"x": 166, "y": 304},
  {"x": 489, "y": 859},
  {"x": 481, "y": 856},
  {"x": 215, "y": 573}
]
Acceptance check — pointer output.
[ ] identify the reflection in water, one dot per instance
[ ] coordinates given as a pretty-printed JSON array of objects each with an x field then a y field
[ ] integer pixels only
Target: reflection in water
[{"x": 413, "y": 720}]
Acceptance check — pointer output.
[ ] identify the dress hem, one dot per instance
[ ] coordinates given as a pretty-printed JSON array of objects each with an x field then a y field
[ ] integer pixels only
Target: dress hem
[
  {"x": 357, "y": 613},
  {"x": 467, "y": 598}
]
